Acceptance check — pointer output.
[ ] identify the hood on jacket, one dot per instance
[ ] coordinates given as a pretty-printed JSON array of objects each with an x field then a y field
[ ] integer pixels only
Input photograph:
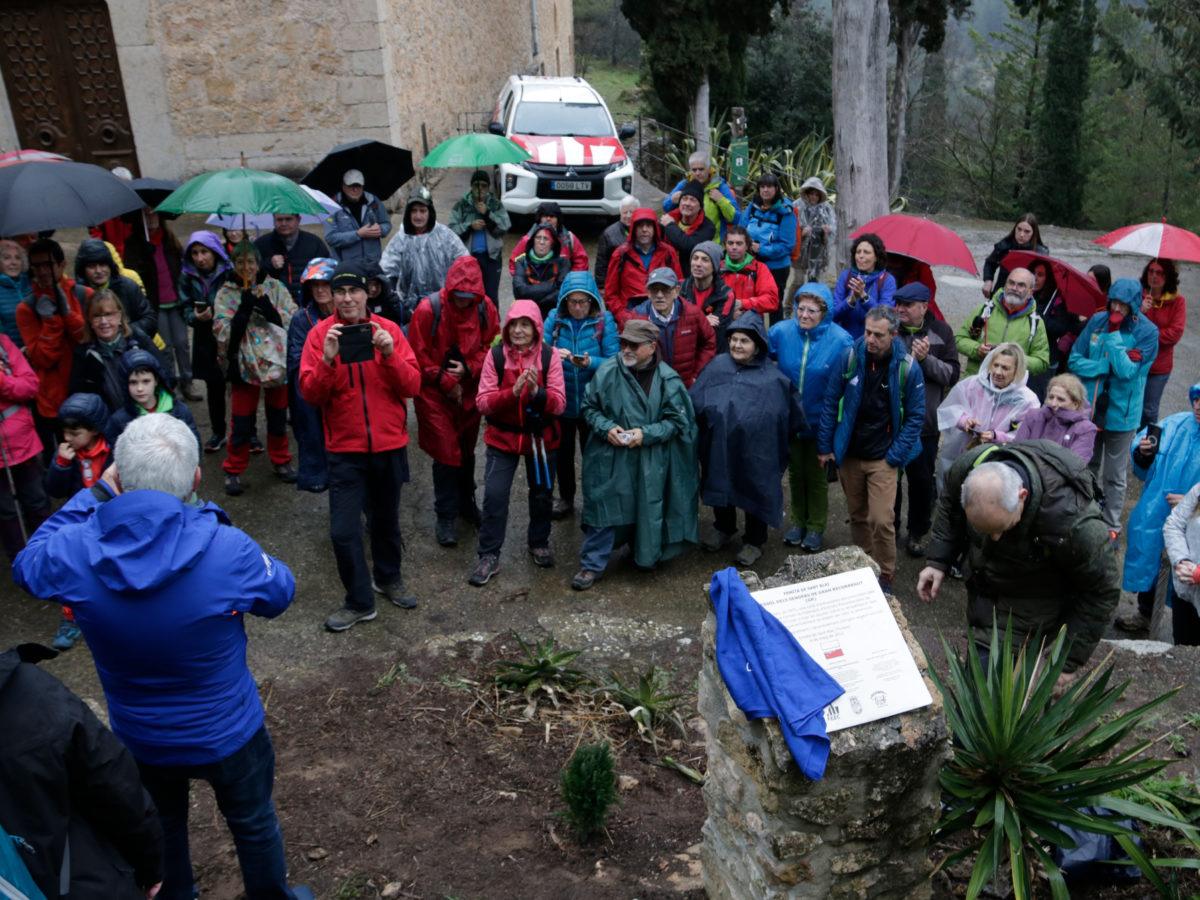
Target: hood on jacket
[
  {"x": 524, "y": 309},
  {"x": 1194, "y": 392},
  {"x": 814, "y": 184},
  {"x": 90, "y": 409},
  {"x": 583, "y": 282},
  {"x": 1129, "y": 292},
  {"x": 94, "y": 250},
  {"x": 555, "y": 241},
  {"x": 374, "y": 272},
  {"x": 138, "y": 358},
  {"x": 817, "y": 289},
  {"x": 142, "y": 540},
  {"x": 319, "y": 268},
  {"x": 212, "y": 242},
  {"x": 751, "y": 323},
  {"x": 644, "y": 214},
  {"x": 1019, "y": 379},
  {"x": 423, "y": 196},
  {"x": 464, "y": 274}
]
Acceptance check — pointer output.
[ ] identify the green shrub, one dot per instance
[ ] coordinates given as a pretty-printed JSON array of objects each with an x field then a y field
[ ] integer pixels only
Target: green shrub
[{"x": 589, "y": 788}]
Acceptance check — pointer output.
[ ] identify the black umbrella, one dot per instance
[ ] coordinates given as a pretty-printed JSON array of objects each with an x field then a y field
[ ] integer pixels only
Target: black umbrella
[
  {"x": 41, "y": 196},
  {"x": 154, "y": 190},
  {"x": 384, "y": 167}
]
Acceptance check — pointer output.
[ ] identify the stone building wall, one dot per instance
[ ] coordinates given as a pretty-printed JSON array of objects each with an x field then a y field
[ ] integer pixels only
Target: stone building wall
[{"x": 282, "y": 81}]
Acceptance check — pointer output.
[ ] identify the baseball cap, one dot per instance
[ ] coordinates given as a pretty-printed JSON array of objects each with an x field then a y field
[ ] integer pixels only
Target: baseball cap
[
  {"x": 353, "y": 176},
  {"x": 663, "y": 275}
]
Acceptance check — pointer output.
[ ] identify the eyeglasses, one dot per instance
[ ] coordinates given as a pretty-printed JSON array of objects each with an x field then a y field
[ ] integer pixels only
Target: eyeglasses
[
  {"x": 584, "y": 301},
  {"x": 1155, "y": 270},
  {"x": 342, "y": 292},
  {"x": 807, "y": 311},
  {"x": 630, "y": 345}
]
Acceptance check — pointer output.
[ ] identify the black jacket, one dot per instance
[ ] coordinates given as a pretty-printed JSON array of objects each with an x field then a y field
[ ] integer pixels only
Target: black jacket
[
  {"x": 66, "y": 781},
  {"x": 138, "y": 310},
  {"x": 307, "y": 246}
]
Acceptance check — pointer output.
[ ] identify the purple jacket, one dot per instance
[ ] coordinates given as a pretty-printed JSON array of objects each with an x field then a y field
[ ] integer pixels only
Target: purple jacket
[{"x": 1070, "y": 428}]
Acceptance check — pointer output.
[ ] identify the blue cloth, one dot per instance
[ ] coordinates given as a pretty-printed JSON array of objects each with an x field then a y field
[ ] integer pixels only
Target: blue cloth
[
  {"x": 341, "y": 229},
  {"x": 595, "y": 336},
  {"x": 775, "y": 231},
  {"x": 808, "y": 358},
  {"x": 1101, "y": 360},
  {"x": 881, "y": 288},
  {"x": 1175, "y": 469},
  {"x": 768, "y": 674},
  {"x": 843, "y": 396},
  {"x": 12, "y": 293},
  {"x": 156, "y": 587},
  {"x": 138, "y": 358}
]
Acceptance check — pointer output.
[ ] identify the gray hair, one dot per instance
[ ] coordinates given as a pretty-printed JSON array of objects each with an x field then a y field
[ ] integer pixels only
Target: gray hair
[
  {"x": 700, "y": 156},
  {"x": 992, "y": 482},
  {"x": 629, "y": 200},
  {"x": 157, "y": 452},
  {"x": 886, "y": 312}
]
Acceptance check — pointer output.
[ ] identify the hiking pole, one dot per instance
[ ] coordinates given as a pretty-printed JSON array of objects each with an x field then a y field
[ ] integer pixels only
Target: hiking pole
[{"x": 12, "y": 486}]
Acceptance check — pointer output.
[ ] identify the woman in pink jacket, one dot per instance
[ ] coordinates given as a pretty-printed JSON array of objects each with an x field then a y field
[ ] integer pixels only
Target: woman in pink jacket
[{"x": 19, "y": 449}]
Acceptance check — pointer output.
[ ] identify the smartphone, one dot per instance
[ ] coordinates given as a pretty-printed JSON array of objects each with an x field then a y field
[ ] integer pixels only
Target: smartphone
[
  {"x": 578, "y": 359},
  {"x": 354, "y": 345},
  {"x": 1154, "y": 433}
]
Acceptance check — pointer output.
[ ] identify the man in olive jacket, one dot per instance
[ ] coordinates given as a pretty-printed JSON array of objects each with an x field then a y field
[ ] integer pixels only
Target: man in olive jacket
[
  {"x": 640, "y": 477},
  {"x": 1037, "y": 549}
]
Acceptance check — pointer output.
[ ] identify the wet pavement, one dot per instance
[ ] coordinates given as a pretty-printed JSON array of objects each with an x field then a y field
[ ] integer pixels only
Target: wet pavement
[{"x": 645, "y": 617}]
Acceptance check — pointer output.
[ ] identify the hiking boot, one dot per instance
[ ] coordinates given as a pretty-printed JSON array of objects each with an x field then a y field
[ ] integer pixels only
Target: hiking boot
[
  {"x": 256, "y": 446},
  {"x": 488, "y": 565},
  {"x": 584, "y": 580},
  {"x": 214, "y": 443},
  {"x": 916, "y": 546},
  {"x": 715, "y": 540},
  {"x": 397, "y": 594},
  {"x": 748, "y": 555},
  {"x": 885, "y": 583},
  {"x": 285, "y": 473},
  {"x": 812, "y": 541},
  {"x": 794, "y": 536},
  {"x": 561, "y": 509},
  {"x": 233, "y": 484},
  {"x": 189, "y": 392},
  {"x": 346, "y": 618},
  {"x": 542, "y": 556},
  {"x": 444, "y": 533},
  {"x": 66, "y": 636},
  {"x": 1135, "y": 621}
]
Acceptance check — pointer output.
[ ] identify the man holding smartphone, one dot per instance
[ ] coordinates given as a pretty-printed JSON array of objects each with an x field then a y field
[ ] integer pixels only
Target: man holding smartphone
[{"x": 360, "y": 381}]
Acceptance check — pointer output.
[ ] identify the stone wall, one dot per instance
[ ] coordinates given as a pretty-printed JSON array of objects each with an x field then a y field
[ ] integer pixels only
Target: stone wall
[
  {"x": 860, "y": 832},
  {"x": 282, "y": 81}
]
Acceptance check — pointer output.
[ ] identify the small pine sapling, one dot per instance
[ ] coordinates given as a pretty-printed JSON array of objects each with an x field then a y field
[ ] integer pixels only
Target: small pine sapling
[{"x": 589, "y": 788}]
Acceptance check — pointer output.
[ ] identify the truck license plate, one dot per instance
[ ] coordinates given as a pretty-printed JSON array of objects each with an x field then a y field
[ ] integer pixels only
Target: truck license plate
[{"x": 570, "y": 185}]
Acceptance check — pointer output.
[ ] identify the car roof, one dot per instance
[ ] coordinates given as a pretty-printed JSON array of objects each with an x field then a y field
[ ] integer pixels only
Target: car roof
[{"x": 546, "y": 88}]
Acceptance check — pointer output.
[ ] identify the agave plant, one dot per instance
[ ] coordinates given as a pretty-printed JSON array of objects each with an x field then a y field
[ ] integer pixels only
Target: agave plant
[
  {"x": 1025, "y": 763},
  {"x": 649, "y": 702},
  {"x": 544, "y": 667}
]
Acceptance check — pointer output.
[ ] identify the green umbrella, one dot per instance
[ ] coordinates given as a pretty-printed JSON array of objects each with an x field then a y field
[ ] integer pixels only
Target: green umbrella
[
  {"x": 474, "y": 151},
  {"x": 247, "y": 191}
]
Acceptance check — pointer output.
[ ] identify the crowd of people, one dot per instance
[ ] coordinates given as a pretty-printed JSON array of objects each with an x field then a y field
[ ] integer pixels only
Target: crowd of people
[{"x": 701, "y": 359}]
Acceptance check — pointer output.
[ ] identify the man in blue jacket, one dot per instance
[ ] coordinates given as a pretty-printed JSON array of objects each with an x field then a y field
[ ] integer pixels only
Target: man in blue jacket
[
  {"x": 158, "y": 588},
  {"x": 357, "y": 228},
  {"x": 1112, "y": 356},
  {"x": 871, "y": 427}
]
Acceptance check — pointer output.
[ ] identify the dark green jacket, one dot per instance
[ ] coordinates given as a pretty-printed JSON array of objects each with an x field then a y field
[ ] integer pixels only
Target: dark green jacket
[
  {"x": 653, "y": 487},
  {"x": 1055, "y": 567}
]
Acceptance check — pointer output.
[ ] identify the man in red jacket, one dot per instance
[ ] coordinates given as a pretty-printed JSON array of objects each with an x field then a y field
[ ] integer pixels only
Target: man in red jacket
[
  {"x": 360, "y": 378},
  {"x": 450, "y": 333},
  {"x": 686, "y": 342},
  {"x": 644, "y": 251},
  {"x": 750, "y": 280}
]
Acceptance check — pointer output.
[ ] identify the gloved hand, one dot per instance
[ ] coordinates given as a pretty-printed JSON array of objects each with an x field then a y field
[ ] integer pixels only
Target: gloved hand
[
  {"x": 1135, "y": 354},
  {"x": 1114, "y": 321},
  {"x": 46, "y": 306},
  {"x": 247, "y": 305},
  {"x": 64, "y": 305}
]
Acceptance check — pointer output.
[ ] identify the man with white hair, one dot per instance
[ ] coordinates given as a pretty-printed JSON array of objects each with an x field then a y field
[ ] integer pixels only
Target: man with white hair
[
  {"x": 1037, "y": 550},
  {"x": 157, "y": 586},
  {"x": 720, "y": 203}
]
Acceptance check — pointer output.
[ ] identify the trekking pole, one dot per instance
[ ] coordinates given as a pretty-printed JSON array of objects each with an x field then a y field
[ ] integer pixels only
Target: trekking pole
[{"x": 12, "y": 486}]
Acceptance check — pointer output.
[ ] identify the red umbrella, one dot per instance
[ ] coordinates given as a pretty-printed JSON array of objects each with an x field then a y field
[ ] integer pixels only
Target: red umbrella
[
  {"x": 1156, "y": 239},
  {"x": 1082, "y": 295},
  {"x": 907, "y": 269},
  {"x": 921, "y": 239},
  {"x": 22, "y": 156}
]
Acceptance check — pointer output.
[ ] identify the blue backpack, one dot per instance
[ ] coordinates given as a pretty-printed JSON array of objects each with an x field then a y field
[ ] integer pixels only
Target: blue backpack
[{"x": 15, "y": 880}]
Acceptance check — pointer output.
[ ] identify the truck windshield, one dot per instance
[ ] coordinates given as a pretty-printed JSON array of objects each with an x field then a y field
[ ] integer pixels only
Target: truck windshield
[{"x": 562, "y": 119}]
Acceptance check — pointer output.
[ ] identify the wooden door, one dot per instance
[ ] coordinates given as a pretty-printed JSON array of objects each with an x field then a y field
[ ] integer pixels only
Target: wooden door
[{"x": 64, "y": 82}]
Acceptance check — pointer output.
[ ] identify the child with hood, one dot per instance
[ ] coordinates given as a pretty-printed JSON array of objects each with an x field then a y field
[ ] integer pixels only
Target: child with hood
[
  {"x": 521, "y": 393},
  {"x": 583, "y": 334},
  {"x": 148, "y": 393},
  {"x": 540, "y": 270},
  {"x": 204, "y": 269}
]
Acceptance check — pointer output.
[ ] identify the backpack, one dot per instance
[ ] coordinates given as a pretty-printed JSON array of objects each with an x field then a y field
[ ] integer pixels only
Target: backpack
[
  {"x": 435, "y": 304},
  {"x": 535, "y": 424},
  {"x": 904, "y": 363},
  {"x": 15, "y": 881}
]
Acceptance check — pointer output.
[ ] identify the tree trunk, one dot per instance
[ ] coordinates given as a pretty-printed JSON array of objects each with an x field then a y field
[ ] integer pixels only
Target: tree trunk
[
  {"x": 906, "y": 43},
  {"x": 700, "y": 115},
  {"x": 860, "y": 31}
]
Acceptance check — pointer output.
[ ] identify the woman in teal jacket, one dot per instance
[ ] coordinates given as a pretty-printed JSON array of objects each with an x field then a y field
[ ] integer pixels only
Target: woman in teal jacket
[
  {"x": 1112, "y": 357},
  {"x": 807, "y": 349},
  {"x": 771, "y": 220},
  {"x": 584, "y": 334}
]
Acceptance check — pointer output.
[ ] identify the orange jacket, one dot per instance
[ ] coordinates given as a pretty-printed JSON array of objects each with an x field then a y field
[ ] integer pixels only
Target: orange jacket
[{"x": 50, "y": 345}]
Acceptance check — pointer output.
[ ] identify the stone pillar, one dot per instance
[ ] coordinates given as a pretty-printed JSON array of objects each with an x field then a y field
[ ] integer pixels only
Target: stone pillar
[{"x": 861, "y": 831}]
